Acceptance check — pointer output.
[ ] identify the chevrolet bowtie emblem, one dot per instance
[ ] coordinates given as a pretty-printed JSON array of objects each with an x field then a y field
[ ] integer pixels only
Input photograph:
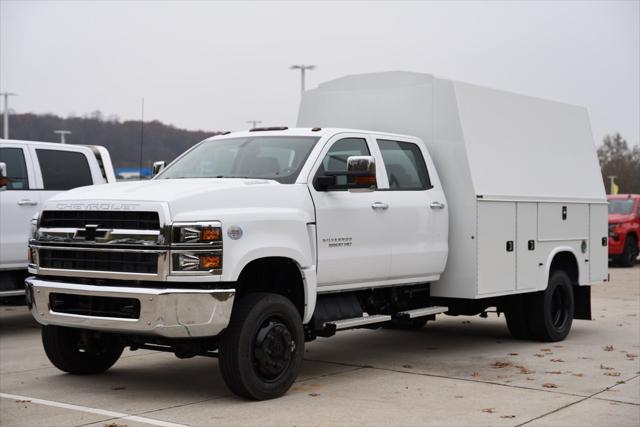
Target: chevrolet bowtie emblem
[{"x": 91, "y": 232}]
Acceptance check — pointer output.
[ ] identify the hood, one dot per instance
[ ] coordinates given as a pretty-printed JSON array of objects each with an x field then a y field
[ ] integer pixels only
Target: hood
[
  {"x": 160, "y": 190},
  {"x": 615, "y": 218},
  {"x": 193, "y": 199}
]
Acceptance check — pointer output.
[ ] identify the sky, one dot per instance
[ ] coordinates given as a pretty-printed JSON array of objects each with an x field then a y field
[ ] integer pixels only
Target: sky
[{"x": 216, "y": 65}]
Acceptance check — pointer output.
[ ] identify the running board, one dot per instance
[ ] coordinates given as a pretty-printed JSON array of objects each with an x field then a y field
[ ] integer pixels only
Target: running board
[
  {"x": 420, "y": 312},
  {"x": 15, "y": 293},
  {"x": 331, "y": 327}
]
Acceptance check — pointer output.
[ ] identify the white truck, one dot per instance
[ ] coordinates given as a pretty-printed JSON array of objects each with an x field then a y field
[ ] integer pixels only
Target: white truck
[
  {"x": 30, "y": 173},
  {"x": 252, "y": 243}
]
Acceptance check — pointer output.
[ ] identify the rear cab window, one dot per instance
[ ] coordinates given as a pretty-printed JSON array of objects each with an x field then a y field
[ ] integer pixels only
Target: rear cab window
[
  {"x": 405, "y": 165},
  {"x": 63, "y": 170},
  {"x": 17, "y": 174}
]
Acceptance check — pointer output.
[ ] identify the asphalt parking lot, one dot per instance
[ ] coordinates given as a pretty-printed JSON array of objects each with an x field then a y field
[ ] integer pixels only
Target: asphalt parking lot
[{"x": 456, "y": 371}]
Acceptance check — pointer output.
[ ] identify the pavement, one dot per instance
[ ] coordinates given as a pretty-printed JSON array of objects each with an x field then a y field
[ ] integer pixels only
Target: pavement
[{"x": 456, "y": 371}]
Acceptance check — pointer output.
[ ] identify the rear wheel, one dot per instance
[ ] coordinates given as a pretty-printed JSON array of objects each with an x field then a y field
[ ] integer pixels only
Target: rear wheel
[
  {"x": 517, "y": 318},
  {"x": 550, "y": 313},
  {"x": 630, "y": 252},
  {"x": 262, "y": 348},
  {"x": 80, "y": 352}
]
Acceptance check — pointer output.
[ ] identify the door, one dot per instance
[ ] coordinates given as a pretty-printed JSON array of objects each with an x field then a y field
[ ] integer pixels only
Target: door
[
  {"x": 18, "y": 203},
  {"x": 496, "y": 247},
  {"x": 598, "y": 250},
  {"x": 352, "y": 225},
  {"x": 417, "y": 211},
  {"x": 530, "y": 274}
]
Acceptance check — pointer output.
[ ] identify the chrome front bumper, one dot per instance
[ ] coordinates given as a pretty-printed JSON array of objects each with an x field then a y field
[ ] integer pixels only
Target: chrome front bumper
[{"x": 172, "y": 313}]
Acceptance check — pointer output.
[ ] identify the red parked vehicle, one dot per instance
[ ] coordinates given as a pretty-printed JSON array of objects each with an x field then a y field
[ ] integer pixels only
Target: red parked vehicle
[{"x": 624, "y": 228}]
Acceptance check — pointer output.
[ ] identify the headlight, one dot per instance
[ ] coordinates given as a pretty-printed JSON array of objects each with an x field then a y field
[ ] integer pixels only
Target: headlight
[
  {"x": 197, "y": 261},
  {"x": 34, "y": 225},
  {"x": 196, "y": 248},
  {"x": 197, "y": 233}
]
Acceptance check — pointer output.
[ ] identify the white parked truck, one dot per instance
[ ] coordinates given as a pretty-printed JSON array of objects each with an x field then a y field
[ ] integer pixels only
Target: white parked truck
[
  {"x": 252, "y": 243},
  {"x": 30, "y": 173}
]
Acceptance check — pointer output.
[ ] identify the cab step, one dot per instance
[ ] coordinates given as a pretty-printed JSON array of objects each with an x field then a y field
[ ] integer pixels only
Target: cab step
[
  {"x": 331, "y": 327},
  {"x": 420, "y": 312}
]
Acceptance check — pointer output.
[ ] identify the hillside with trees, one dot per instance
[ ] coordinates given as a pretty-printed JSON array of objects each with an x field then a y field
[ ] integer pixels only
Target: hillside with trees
[
  {"x": 121, "y": 138},
  {"x": 617, "y": 159}
]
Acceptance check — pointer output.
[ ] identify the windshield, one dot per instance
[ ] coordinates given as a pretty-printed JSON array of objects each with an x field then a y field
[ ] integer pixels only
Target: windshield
[
  {"x": 268, "y": 157},
  {"x": 623, "y": 206}
]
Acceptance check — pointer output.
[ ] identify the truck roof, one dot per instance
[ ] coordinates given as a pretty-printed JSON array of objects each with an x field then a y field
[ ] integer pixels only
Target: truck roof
[
  {"x": 43, "y": 144},
  {"x": 302, "y": 131}
]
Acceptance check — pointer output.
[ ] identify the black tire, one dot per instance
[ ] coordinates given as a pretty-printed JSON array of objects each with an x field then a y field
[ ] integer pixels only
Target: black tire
[
  {"x": 262, "y": 348},
  {"x": 517, "y": 318},
  {"x": 629, "y": 253},
  {"x": 550, "y": 312},
  {"x": 407, "y": 324},
  {"x": 80, "y": 352}
]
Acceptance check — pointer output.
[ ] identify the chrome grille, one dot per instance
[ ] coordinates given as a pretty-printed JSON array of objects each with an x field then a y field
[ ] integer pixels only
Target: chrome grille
[
  {"x": 86, "y": 260},
  {"x": 130, "y": 220}
]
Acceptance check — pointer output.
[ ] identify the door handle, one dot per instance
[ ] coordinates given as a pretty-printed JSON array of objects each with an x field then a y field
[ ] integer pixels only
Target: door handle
[
  {"x": 27, "y": 202},
  {"x": 436, "y": 205},
  {"x": 379, "y": 205}
]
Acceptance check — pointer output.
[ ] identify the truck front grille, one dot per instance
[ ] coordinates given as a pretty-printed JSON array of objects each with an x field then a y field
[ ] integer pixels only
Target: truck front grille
[
  {"x": 130, "y": 220},
  {"x": 113, "y": 261}
]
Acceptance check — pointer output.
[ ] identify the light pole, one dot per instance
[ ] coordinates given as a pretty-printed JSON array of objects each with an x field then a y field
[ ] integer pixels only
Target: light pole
[
  {"x": 254, "y": 123},
  {"x": 62, "y": 134},
  {"x": 6, "y": 95},
  {"x": 303, "y": 69}
]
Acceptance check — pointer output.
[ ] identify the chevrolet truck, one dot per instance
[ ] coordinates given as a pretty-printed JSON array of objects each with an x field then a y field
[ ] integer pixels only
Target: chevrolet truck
[{"x": 455, "y": 200}]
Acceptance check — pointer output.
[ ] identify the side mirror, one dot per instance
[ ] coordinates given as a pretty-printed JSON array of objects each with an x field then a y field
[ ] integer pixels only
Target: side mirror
[
  {"x": 157, "y": 167},
  {"x": 3, "y": 176},
  {"x": 360, "y": 174}
]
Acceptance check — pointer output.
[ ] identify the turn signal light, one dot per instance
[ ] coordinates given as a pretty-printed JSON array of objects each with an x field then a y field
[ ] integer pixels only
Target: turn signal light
[
  {"x": 210, "y": 234},
  {"x": 210, "y": 261}
]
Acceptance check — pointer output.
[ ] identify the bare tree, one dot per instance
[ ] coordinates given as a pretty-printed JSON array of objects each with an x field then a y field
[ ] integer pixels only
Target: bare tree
[{"x": 617, "y": 159}]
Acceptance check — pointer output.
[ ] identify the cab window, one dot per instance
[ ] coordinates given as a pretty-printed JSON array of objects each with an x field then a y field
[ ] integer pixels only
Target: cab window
[
  {"x": 405, "y": 165},
  {"x": 336, "y": 158},
  {"x": 63, "y": 170},
  {"x": 17, "y": 178}
]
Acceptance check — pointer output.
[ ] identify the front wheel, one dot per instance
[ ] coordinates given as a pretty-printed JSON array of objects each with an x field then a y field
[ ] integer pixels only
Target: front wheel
[
  {"x": 630, "y": 252},
  {"x": 550, "y": 312},
  {"x": 80, "y": 352},
  {"x": 262, "y": 348}
]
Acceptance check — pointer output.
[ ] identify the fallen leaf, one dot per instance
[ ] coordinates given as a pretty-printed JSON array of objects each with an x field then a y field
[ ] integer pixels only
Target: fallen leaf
[
  {"x": 314, "y": 394},
  {"x": 546, "y": 350},
  {"x": 464, "y": 322},
  {"x": 557, "y": 360},
  {"x": 578, "y": 375},
  {"x": 118, "y": 388},
  {"x": 513, "y": 354},
  {"x": 507, "y": 416},
  {"x": 632, "y": 355},
  {"x": 553, "y": 372},
  {"x": 489, "y": 410},
  {"x": 620, "y": 382},
  {"x": 524, "y": 370},
  {"x": 530, "y": 379},
  {"x": 501, "y": 365},
  {"x": 458, "y": 397},
  {"x": 23, "y": 401},
  {"x": 549, "y": 385},
  {"x": 475, "y": 374},
  {"x": 584, "y": 358},
  {"x": 605, "y": 367},
  {"x": 407, "y": 366},
  {"x": 608, "y": 348},
  {"x": 539, "y": 355},
  {"x": 612, "y": 374},
  {"x": 115, "y": 425}
]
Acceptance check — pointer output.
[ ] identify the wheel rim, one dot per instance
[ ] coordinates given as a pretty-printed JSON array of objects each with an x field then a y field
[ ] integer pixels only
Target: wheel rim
[
  {"x": 274, "y": 349},
  {"x": 560, "y": 305}
]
